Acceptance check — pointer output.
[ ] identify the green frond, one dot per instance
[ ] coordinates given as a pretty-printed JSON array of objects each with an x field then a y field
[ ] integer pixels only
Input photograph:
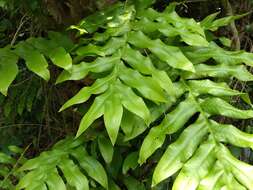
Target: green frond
[
  {"x": 147, "y": 67},
  {"x": 67, "y": 165}
]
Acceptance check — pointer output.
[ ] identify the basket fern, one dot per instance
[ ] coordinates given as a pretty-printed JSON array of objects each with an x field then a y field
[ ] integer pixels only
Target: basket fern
[{"x": 148, "y": 67}]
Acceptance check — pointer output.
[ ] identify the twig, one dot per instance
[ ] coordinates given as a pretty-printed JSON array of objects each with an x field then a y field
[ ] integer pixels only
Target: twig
[
  {"x": 16, "y": 125},
  {"x": 236, "y": 38},
  {"x": 16, "y": 164},
  {"x": 22, "y": 22}
]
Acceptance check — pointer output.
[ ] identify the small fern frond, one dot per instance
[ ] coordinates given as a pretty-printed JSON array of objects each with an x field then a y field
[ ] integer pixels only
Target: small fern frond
[
  {"x": 9, "y": 164},
  {"x": 36, "y": 53},
  {"x": 66, "y": 165}
]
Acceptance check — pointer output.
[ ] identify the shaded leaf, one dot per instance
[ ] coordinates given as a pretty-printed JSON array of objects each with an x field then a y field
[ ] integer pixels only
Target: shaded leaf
[
  {"x": 8, "y": 69},
  {"x": 105, "y": 148},
  {"x": 35, "y": 61},
  {"x": 131, "y": 162},
  {"x": 61, "y": 58}
]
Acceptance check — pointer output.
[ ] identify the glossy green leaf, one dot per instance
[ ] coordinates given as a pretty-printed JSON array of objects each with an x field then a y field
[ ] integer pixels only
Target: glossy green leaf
[
  {"x": 208, "y": 21},
  {"x": 54, "y": 181},
  {"x": 172, "y": 122},
  {"x": 8, "y": 69},
  {"x": 194, "y": 39},
  {"x": 105, "y": 148},
  {"x": 15, "y": 149},
  {"x": 196, "y": 168},
  {"x": 180, "y": 151},
  {"x": 113, "y": 111},
  {"x": 209, "y": 182},
  {"x": 35, "y": 61},
  {"x": 90, "y": 49},
  {"x": 169, "y": 54},
  {"x": 147, "y": 86},
  {"x": 113, "y": 186},
  {"x": 82, "y": 70},
  {"x": 220, "y": 89},
  {"x": 221, "y": 71},
  {"x": 165, "y": 82},
  {"x": 137, "y": 61},
  {"x": 225, "y": 41},
  {"x": 149, "y": 70},
  {"x": 95, "y": 111},
  {"x": 93, "y": 168},
  {"x": 63, "y": 167},
  {"x": 43, "y": 45},
  {"x": 214, "y": 25},
  {"x": 187, "y": 36},
  {"x": 217, "y": 106},
  {"x": 207, "y": 86},
  {"x": 132, "y": 125},
  {"x": 61, "y": 58},
  {"x": 222, "y": 56},
  {"x": 113, "y": 45},
  {"x": 100, "y": 86},
  {"x": 73, "y": 175},
  {"x": 144, "y": 65},
  {"x": 239, "y": 169},
  {"x": 133, "y": 103},
  {"x": 232, "y": 183},
  {"x": 230, "y": 134},
  {"x": 142, "y": 4},
  {"x": 61, "y": 40},
  {"x": 151, "y": 143},
  {"x": 94, "y": 21}
]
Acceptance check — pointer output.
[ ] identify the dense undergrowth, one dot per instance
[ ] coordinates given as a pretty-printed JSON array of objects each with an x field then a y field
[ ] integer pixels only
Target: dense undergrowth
[{"x": 157, "y": 101}]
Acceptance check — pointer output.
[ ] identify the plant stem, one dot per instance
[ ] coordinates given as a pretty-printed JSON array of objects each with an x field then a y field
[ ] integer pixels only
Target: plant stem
[{"x": 229, "y": 11}]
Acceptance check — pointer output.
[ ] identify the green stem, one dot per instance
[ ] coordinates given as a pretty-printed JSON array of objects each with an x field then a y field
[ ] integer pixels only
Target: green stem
[{"x": 16, "y": 164}]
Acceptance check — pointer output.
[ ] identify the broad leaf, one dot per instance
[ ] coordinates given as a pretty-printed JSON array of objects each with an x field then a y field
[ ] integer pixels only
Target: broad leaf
[
  {"x": 96, "y": 110},
  {"x": 217, "y": 106},
  {"x": 180, "y": 151},
  {"x": 170, "y": 124},
  {"x": 113, "y": 112},
  {"x": 8, "y": 69},
  {"x": 131, "y": 162},
  {"x": 34, "y": 60},
  {"x": 169, "y": 54},
  {"x": 61, "y": 58},
  {"x": 105, "y": 148}
]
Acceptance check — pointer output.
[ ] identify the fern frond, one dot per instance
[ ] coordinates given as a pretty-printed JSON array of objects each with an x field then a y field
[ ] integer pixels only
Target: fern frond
[
  {"x": 36, "y": 52},
  {"x": 145, "y": 63},
  {"x": 9, "y": 164},
  {"x": 66, "y": 165}
]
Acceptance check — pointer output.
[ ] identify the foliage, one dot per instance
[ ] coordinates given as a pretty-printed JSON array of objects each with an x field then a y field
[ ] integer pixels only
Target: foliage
[
  {"x": 33, "y": 51},
  {"x": 148, "y": 69},
  {"x": 9, "y": 164},
  {"x": 67, "y": 158}
]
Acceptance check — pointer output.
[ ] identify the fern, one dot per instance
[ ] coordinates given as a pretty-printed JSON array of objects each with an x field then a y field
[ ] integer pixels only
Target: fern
[
  {"x": 144, "y": 64},
  {"x": 135, "y": 54},
  {"x": 66, "y": 166},
  {"x": 34, "y": 52},
  {"x": 9, "y": 164}
]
